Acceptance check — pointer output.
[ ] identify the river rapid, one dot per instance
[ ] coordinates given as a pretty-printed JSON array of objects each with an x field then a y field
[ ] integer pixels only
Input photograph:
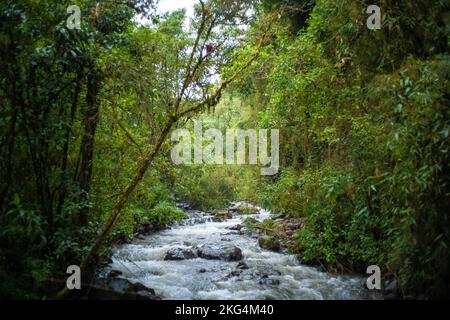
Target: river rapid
[{"x": 265, "y": 275}]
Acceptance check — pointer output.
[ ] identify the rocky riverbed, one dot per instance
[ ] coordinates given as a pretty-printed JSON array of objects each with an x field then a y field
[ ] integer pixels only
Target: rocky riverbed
[{"x": 215, "y": 256}]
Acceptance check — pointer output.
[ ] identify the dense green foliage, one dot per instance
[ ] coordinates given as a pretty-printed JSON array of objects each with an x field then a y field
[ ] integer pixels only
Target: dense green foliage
[
  {"x": 363, "y": 118},
  {"x": 365, "y": 138}
]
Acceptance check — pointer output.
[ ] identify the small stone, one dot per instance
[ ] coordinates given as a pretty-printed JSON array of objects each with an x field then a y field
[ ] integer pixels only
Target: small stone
[
  {"x": 391, "y": 287},
  {"x": 289, "y": 233},
  {"x": 274, "y": 282},
  {"x": 235, "y": 273},
  {"x": 242, "y": 266},
  {"x": 114, "y": 273}
]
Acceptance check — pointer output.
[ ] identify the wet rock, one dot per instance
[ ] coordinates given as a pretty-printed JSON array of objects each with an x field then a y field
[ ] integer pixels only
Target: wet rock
[
  {"x": 271, "y": 274},
  {"x": 273, "y": 282},
  {"x": 114, "y": 273},
  {"x": 243, "y": 207},
  {"x": 269, "y": 243},
  {"x": 195, "y": 217},
  {"x": 119, "y": 285},
  {"x": 235, "y": 228},
  {"x": 301, "y": 260},
  {"x": 147, "y": 228},
  {"x": 242, "y": 266},
  {"x": 225, "y": 252},
  {"x": 250, "y": 221},
  {"x": 183, "y": 206},
  {"x": 202, "y": 270},
  {"x": 225, "y": 239},
  {"x": 246, "y": 209},
  {"x": 235, "y": 273},
  {"x": 279, "y": 217},
  {"x": 121, "y": 238},
  {"x": 229, "y": 233},
  {"x": 269, "y": 278},
  {"x": 222, "y": 215},
  {"x": 180, "y": 254},
  {"x": 293, "y": 225},
  {"x": 120, "y": 289},
  {"x": 390, "y": 290},
  {"x": 141, "y": 292},
  {"x": 289, "y": 233},
  {"x": 391, "y": 286}
]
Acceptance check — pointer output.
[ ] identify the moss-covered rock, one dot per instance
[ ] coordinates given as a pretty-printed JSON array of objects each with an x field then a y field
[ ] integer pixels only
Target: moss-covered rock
[
  {"x": 222, "y": 215},
  {"x": 250, "y": 221},
  {"x": 269, "y": 243},
  {"x": 246, "y": 210}
]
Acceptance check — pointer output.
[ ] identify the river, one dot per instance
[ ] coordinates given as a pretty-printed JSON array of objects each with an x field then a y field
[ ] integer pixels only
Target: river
[{"x": 270, "y": 275}]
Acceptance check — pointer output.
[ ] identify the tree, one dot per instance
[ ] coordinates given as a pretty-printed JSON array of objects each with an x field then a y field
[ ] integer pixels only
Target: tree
[{"x": 195, "y": 95}]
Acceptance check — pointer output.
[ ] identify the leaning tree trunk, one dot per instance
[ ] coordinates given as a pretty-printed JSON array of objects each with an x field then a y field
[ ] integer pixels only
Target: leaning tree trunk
[
  {"x": 209, "y": 102},
  {"x": 121, "y": 201}
]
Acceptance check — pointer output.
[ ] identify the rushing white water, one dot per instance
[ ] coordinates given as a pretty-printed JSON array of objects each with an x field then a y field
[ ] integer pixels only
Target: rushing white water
[{"x": 270, "y": 275}]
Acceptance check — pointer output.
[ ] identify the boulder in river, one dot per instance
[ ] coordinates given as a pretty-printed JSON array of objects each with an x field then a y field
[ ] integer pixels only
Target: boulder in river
[
  {"x": 269, "y": 277},
  {"x": 269, "y": 243},
  {"x": 227, "y": 252},
  {"x": 147, "y": 228},
  {"x": 390, "y": 290},
  {"x": 247, "y": 210},
  {"x": 180, "y": 254},
  {"x": 120, "y": 289},
  {"x": 237, "y": 227},
  {"x": 222, "y": 215},
  {"x": 242, "y": 266},
  {"x": 114, "y": 273}
]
